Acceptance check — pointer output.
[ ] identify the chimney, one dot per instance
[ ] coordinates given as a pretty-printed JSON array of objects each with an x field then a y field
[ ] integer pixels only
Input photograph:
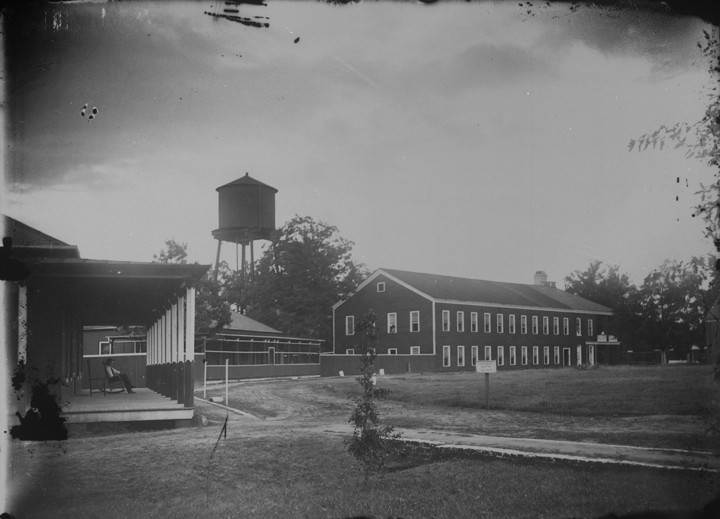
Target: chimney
[{"x": 541, "y": 278}]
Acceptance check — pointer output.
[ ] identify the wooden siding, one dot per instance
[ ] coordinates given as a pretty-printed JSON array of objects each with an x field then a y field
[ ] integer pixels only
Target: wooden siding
[{"x": 397, "y": 299}]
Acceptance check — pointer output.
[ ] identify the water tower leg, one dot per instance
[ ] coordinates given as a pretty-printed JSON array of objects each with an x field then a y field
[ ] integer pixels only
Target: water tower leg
[
  {"x": 244, "y": 266},
  {"x": 252, "y": 260},
  {"x": 217, "y": 259}
]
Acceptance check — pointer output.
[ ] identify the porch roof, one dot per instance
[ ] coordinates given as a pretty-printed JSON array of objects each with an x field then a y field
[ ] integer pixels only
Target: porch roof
[{"x": 113, "y": 292}]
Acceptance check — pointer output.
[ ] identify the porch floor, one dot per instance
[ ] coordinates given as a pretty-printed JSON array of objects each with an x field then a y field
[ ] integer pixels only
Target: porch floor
[{"x": 143, "y": 405}]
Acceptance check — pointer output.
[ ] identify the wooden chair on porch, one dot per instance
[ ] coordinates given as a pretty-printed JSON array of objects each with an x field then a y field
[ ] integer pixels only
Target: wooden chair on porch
[{"x": 104, "y": 383}]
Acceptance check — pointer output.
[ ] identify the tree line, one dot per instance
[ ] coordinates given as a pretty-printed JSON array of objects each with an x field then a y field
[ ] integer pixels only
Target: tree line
[{"x": 666, "y": 311}]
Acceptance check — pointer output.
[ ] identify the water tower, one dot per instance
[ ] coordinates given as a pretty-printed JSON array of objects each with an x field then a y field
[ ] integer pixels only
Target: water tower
[{"x": 246, "y": 214}]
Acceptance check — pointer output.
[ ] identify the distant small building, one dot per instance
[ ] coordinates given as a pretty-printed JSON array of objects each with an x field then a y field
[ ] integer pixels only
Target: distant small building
[
  {"x": 254, "y": 350},
  {"x": 430, "y": 322}
]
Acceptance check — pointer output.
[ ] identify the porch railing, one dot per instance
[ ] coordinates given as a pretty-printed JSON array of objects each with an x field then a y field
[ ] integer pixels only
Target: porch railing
[{"x": 173, "y": 380}]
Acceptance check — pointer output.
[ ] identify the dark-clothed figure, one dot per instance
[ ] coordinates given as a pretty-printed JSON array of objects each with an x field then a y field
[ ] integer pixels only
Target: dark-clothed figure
[{"x": 115, "y": 374}]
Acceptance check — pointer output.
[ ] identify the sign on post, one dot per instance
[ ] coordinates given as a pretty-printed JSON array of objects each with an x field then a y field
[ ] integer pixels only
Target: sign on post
[{"x": 487, "y": 367}]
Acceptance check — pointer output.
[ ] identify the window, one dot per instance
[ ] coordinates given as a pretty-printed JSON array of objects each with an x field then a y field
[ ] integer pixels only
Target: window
[
  {"x": 513, "y": 358},
  {"x": 578, "y": 326},
  {"x": 473, "y": 322},
  {"x": 414, "y": 350},
  {"x": 350, "y": 351},
  {"x": 487, "y": 326},
  {"x": 523, "y": 355},
  {"x": 535, "y": 324},
  {"x": 392, "y": 351},
  {"x": 546, "y": 355},
  {"x": 499, "y": 323},
  {"x": 546, "y": 325},
  {"x": 556, "y": 354},
  {"x": 556, "y": 326},
  {"x": 488, "y": 352},
  {"x": 511, "y": 323},
  {"x": 566, "y": 326},
  {"x": 523, "y": 324},
  {"x": 446, "y": 356},
  {"x": 461, "y": 355},
  {"x": 123, "y": 344},
  {"x": 590, "y": 327},
  {"x": 500, "y": 356},
  {"x": 381, "y": 286},
  {"x": 446, "y": 320},
  {"x": 579, "y": 355},
  {"x": 349, "y": 325},
  {"x": 536, "y": 355},
  {"x": 460, "y": 317},
  {"x": 415, "y": 321},
  {"x": 473, "y": 355},
  {"x": 392, "y": 322}
]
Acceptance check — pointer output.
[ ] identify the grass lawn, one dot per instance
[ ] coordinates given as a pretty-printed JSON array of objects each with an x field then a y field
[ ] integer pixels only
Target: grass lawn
[
  {"x": 270, "y": 470},
  {"x": 606, "y": 391},
  {"x": 639, "y": 405}
]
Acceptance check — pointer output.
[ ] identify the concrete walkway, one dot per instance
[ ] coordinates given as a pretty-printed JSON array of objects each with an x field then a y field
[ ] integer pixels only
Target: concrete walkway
[{"x": 559, "y": 449}]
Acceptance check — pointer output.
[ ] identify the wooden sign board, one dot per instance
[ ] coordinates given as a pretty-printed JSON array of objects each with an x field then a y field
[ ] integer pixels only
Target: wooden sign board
[{"x": 486, "y": 366}]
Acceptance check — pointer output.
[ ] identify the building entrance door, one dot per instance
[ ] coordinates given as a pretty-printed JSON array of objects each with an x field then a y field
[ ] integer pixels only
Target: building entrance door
[
  {"x": 579, "y": 355},
  {"x": 271, "y": 355},
  {"x": 566, "y": 357}
]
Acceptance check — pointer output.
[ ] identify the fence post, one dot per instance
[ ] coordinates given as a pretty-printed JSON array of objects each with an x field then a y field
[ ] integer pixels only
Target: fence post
[
  {"x": 205, "y": 377},
  {"x": 227, "y": 364}
]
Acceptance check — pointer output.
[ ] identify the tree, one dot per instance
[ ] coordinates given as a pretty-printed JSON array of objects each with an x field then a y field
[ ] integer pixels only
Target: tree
[
  {"x": 667, "y": 310},
  {"x": 307, "y": 268},
  {"x": 371, "y": 442},
  {"x": 700, "y": 139},
  {"x": 212, "y": 310},
  {"x": 174, "y": 252},
  {"x": 674, "y": 300},
  {"x": 608, "y": 286}
]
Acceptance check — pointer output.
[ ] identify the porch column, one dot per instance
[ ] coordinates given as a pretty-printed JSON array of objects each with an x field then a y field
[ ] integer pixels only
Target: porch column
[
  {"x": 148, "y": 346},
  {"x": 22, "y": 324},
  {"x": 167, "y": 335},
  {"x": 154, "y": 343},
  {"x": 181, "y": 330},
  {"x": 162, "y": 339},
  {"x": 153, "y": 334},
  {"x": 190, "y": 324},
  {"x": 157, "y": 341},
  {"x": 173, "y": 333}
]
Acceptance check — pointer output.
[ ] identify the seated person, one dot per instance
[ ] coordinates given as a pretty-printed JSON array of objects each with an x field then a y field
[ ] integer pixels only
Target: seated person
[{"x": 115, "y": 374}]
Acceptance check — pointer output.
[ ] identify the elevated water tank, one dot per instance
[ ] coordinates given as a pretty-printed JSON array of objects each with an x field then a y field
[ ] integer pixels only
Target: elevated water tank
[{"x": 246, "y": 211}]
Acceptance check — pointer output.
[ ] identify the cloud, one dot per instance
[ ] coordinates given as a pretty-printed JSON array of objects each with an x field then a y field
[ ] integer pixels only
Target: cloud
[
  {"x": 482, "y": 65},
  {"x": 670, "y": 43}
]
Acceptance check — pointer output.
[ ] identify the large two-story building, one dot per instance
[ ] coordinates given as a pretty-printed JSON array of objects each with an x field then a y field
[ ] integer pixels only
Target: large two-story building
[{"x": 428, "y": 322}]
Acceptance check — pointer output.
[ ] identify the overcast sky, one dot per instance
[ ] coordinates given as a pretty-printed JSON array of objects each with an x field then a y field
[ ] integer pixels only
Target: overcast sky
[{"x": 466, "y": 139}]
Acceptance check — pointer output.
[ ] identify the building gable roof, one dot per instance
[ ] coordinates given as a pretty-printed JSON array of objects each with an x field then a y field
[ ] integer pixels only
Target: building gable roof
[
  {"x": 455, "y": 289},
  {"x": 30, "y": 242},
  {"x": 242, "y": 323}
]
